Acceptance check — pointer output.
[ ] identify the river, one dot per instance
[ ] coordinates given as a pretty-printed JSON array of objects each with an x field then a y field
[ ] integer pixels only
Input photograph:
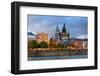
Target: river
[{"x": 56, "y": 57}]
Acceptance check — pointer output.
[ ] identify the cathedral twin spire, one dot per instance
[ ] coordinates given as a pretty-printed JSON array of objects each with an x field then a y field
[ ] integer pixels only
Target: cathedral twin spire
[
  {"x": 63, "y": 29},
  {"x": 63, "y": 35},
  {"x": 57, "y": 29}
]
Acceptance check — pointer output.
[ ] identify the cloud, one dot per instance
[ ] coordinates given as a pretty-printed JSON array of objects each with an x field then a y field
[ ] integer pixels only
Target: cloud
[
  {"x": 42, "y": 26},
  {"x": 76, "y": 25},
  {"x": 82, "y": 37}
]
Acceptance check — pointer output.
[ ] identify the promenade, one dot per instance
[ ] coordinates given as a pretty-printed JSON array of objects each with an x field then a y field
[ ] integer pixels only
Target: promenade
[{"x": 56, "y": 52}]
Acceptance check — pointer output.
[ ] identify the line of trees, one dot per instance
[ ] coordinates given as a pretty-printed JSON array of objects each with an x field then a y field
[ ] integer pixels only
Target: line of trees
[{"x": 35, "y": 44}]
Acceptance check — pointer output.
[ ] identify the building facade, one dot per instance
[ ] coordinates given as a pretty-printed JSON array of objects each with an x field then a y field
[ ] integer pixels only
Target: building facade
[
  {"x": 62, "y": 36},
  {"x": 40, "y": 37},
  {"x": 79, "y": 43}
]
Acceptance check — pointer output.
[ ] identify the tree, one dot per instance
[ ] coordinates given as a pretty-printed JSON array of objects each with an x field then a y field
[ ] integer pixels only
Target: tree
[
  {"x": 43, "y": 44},
  {"x": 35, "y": 44},
  {"x": 38, "y": 45},
  {"x": 52, "y": 43},
  {"x": 32, "y": 44},
  {"x": 59, "y": 45}
]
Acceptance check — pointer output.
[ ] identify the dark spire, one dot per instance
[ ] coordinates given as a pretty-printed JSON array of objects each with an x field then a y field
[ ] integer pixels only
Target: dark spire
[
  {"x": 64, "y": 29},
  {"x": 57, "y": 28}
]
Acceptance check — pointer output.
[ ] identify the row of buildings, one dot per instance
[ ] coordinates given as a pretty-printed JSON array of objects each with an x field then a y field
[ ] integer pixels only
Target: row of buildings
[{"x": 62, "y": 37}]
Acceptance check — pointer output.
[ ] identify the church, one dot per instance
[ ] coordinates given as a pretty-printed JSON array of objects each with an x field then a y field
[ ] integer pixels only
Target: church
[{"x": 62, "y": 36}]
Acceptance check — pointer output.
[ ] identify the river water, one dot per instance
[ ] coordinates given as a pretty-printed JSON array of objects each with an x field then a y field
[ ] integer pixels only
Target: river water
[{"x": 56, "y": 57}]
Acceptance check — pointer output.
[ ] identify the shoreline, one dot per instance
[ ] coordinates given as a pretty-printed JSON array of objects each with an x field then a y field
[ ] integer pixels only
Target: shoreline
[{"x": 56, "y": 57}]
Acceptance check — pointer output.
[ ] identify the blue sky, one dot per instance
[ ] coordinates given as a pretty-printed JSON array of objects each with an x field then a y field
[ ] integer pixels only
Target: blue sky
[{"x": 75, "y": 25}]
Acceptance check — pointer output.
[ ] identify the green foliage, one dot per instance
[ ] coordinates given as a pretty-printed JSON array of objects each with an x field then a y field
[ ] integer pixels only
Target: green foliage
[
  {"x": 60, "y": 45},
  {"x": 38, "y": 45},
  {"x": 35, "y": 44},
  {"x": 44, "y": 44},
  {"x": 32, "y": 44}
]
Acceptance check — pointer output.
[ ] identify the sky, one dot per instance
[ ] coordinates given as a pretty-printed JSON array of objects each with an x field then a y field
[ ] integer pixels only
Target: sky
[{"x": 77, "y": 26}]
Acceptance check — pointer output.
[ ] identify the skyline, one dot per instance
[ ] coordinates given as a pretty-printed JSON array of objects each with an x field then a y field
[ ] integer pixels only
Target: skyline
[{"x": 75, "y": 25}]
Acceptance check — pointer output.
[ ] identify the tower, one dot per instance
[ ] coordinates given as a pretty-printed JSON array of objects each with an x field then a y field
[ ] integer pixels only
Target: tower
[
  {"x": 65, "y": 35},
  {"x": 64, "y": 29},
  {"x": 62, "y": 36},
  {"x": 57, "y": 33}
]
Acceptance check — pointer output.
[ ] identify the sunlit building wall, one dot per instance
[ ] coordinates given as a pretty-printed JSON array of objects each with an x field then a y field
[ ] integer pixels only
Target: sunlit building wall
[{"x": 40, "y": 37}]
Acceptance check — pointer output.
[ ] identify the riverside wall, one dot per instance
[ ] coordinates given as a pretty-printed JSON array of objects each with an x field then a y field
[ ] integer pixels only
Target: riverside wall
[{"x": 56, "y": 52}]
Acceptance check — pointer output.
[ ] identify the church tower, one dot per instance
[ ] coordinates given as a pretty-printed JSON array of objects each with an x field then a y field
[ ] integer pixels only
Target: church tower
[
  {"x": 64, "y": 29},
  {"x": 62, "y": 36},
  {"x": 65, "y": 36},
  {"x": 57, "y": 33}
]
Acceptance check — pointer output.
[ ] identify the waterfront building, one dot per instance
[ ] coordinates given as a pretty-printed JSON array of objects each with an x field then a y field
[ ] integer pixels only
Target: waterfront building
[
  {"x": 85, "y": 44},
  {"x": 40, "y": 37},
  {"x": 57, "y": 32},
  {"x": 62, "y": 36},
  {"x": 80, "y": 43},
  {"x": 53, "y": 43}
]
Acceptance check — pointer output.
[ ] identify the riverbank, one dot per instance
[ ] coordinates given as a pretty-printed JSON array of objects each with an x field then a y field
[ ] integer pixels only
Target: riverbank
[
  {"x": 62, "y": 52},
  {"x": 35, "y": 58}
]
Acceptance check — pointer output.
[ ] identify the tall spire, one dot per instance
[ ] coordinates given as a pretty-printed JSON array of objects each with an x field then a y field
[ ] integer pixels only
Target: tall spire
[
  {"x": 57, "y": 28},
  {"x": 64, "y": 29}
]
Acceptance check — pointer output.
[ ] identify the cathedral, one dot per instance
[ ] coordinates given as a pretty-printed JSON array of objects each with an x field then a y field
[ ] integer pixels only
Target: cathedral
[{"x": 62, "y": 36}]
